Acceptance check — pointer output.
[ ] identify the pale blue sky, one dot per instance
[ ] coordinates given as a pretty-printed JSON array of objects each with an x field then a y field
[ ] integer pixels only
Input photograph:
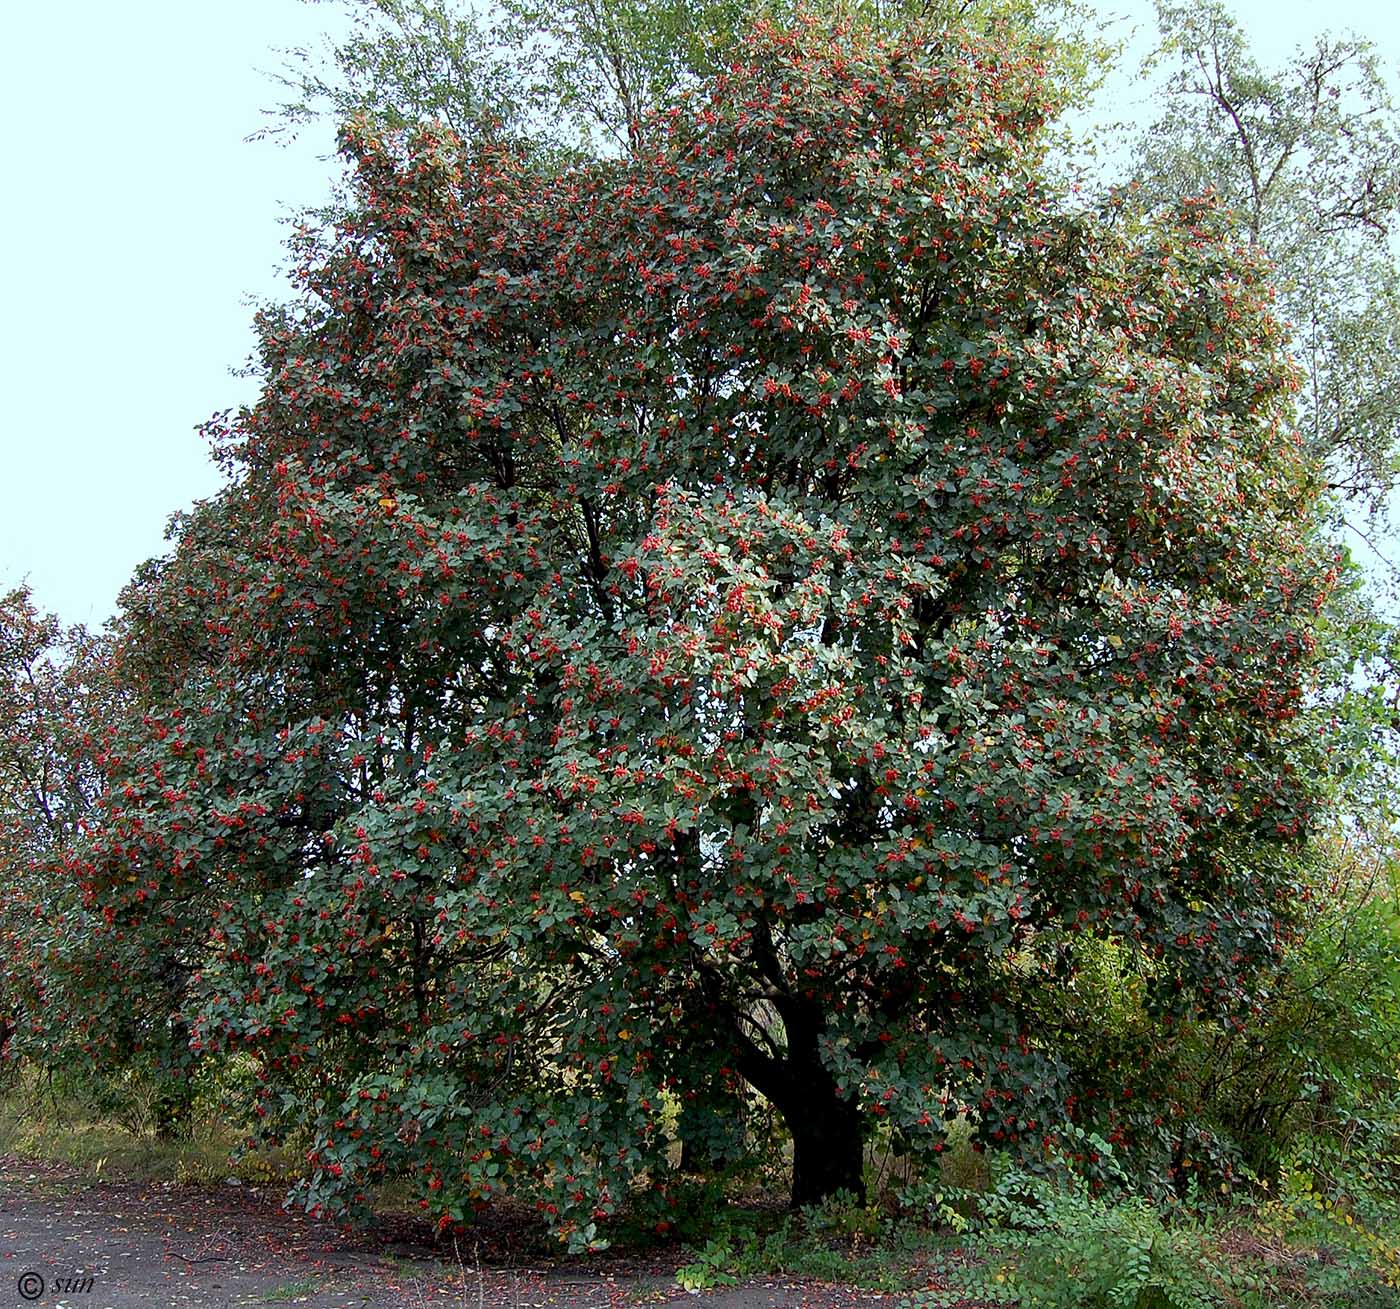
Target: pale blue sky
[{"x": 139, "y": 223}]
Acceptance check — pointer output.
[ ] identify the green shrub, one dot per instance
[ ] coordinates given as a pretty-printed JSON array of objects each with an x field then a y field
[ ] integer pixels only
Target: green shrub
[
  {"x": 712, "y": 1266},
  {"x": 1298, "y": 1082},
  {"x": 1346, "y": 1219},
  {"x": 1058, "y": 1246}
]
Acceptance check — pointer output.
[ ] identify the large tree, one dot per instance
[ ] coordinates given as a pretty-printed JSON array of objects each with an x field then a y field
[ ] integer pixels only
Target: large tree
[{"x": 739, "y": 610}]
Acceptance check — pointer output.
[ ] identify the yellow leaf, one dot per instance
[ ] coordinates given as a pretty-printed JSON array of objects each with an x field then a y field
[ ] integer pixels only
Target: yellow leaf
[{"x": 576, "y": 896}]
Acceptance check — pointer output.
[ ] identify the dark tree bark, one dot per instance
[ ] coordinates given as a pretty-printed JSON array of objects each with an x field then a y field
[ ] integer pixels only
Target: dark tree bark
[
  {"x": 828, "y": 1151},
  {"x": 828, "y": 1136}
]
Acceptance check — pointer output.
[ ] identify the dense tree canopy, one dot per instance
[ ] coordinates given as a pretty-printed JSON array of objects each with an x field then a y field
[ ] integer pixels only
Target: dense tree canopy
[{"x": 736, "y": 612}]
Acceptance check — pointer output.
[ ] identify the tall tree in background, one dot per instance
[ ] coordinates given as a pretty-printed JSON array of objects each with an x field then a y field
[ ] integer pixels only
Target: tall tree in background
[
  {"x": 579, "y": 77},
  {"x": 1308, "y": 157},
  {"x": 50, "y": 739}
]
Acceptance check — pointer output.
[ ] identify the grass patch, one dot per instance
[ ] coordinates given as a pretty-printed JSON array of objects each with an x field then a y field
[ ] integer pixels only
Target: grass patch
[
  {"x": 36, "y": 1126},
  {"x": 290, "y": 1291}
]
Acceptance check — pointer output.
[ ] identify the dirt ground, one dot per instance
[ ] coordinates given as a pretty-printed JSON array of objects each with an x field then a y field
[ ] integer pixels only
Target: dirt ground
[{"x": 72, "y": 1243}]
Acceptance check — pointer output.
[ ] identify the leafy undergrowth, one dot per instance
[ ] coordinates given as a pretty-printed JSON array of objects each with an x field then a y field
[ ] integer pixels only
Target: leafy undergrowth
[
  {"x": 116, "y": 1127},
  {"x": 1038, "y": 1245},
  {"x": 1021, "y": 1240},
  {"x": 837, "y": 1242}
]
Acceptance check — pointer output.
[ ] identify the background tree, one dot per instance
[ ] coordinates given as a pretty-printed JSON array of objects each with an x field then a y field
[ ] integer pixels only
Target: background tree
[
  {"x": 47, "y": 786},
  {"x": 54, "y": 707},
  {"x": 83, "y": 999},
  {"x": 579, "y": 77},
  {"x": 1308, "y": 157}
]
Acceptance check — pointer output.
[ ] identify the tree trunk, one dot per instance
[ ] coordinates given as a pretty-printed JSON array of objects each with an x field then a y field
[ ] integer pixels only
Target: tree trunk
[
  {"x": 828, "y": 1150},
  {"x": 828, "y": 1137}
]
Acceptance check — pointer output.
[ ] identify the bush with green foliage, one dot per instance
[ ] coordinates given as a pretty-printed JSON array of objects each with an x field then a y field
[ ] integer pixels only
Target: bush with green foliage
[
  {"x": 1302, "y": 1080},
  {"x": 1056, "y": 1245},
  {"x": 840, "y": 1240}
]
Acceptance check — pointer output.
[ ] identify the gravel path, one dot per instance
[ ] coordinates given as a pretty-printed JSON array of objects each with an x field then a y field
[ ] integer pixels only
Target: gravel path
[{"x": 70, "y": 1243}]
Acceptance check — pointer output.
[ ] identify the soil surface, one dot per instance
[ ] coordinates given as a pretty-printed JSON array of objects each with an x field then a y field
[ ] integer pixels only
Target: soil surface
[{"x": 74, "y": 1243}]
